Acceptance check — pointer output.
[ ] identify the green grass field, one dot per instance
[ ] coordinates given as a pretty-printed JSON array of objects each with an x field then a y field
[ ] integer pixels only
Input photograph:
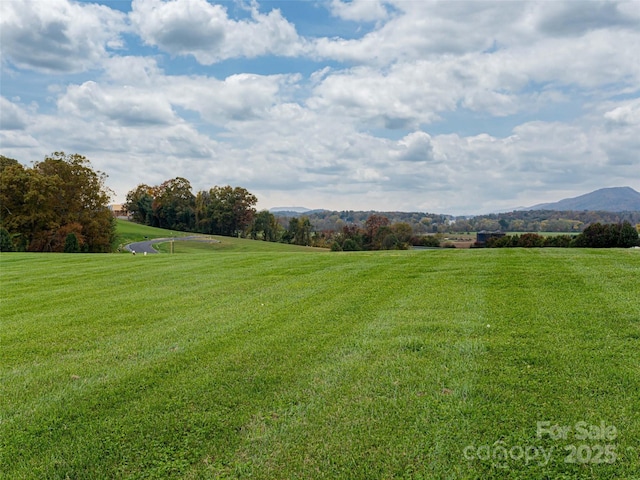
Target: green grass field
[{"x": 252, "y": 360}]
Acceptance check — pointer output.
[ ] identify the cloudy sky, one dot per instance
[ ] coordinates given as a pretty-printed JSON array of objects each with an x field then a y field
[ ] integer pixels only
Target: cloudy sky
[{"x": 456, "y": 107}]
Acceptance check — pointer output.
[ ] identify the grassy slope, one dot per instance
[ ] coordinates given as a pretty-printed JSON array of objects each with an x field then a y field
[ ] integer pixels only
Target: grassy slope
[
  {"x": 229, "y": 363},
  {"x": 231, "y": 244},
  {"x": 128, "y": 232}
]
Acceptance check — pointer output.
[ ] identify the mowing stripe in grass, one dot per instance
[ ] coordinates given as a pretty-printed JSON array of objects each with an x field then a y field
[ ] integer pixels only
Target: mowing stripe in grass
[
  {"x": 393, "y": 394},
  {"x": 555, "y": 343}
]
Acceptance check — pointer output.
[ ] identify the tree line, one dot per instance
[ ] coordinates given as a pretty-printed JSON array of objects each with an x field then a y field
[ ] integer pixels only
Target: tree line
[
  {"x": 596, "y": 235},
  {"x": 379, "y": 233},
  {"x": 516, "y": 221},
  {"x": 220, "y": 210},
  {"x": 231, "y": 211},
  {"x": 59, "y": 204},
  {"x": 571, "y": 221}
]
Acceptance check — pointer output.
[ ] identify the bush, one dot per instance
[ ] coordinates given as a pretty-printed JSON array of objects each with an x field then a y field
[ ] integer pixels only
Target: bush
[
  {"x": 428, "y": 241},
  {"x": 350, "y": 245},
  {"x": 529, "y": 240},
  {"x": 389, "y": 242},
  {"x": 562, "y": 241},
  {"x": 502, "y": 242}
]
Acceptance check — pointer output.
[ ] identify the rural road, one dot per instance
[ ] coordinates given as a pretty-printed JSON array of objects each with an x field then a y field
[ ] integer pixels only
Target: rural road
[{"x": 147, "y": 245}]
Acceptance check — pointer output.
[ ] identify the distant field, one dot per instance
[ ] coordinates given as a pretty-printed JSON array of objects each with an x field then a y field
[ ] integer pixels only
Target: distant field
[{"x": 227, "y": 362}]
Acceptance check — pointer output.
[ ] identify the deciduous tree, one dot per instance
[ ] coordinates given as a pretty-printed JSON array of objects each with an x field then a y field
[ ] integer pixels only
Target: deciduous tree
[
  {"x": 140, "y": 204},
  {"x": 266, "y": 226},
  {"x": 39, "y": 203},
  {"x": 372, "y": 237},
  {"x": 174, "y": 204},
  {"x": 231, "y": 209}
]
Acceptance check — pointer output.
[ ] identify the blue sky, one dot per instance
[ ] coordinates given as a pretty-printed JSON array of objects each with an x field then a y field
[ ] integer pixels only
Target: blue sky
[{"x": 457, "y": 107}]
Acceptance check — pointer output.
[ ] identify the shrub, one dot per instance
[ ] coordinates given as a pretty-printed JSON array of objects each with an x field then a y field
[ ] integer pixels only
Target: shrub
[
  {"x": 529, "y": 240},
  {"x": 350, "y": 245},
  {"x": 502, "y": 242},
  {"x": 389, "y": 242},
  {"x": 562, "y": 241},
  {"x": 429, "y": 241}
]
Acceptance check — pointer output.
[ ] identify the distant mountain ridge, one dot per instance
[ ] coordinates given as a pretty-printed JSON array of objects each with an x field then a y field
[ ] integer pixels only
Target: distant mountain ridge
[
  {"x": 289, "y": 209},
  {"x": 614, "y": 199}
]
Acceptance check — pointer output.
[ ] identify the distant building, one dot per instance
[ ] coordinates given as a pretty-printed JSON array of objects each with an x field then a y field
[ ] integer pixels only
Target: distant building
[
  {"x": 118, "y": 210},
  {"x": 483, "y": 237}
]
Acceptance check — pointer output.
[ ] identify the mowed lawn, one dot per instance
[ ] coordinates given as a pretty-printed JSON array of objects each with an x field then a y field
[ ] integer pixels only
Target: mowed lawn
[{"x": 278, "y": 364}]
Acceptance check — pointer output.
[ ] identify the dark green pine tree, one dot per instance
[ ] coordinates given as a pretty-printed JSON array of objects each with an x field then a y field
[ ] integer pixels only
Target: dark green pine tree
[{"x": 71, "y": 244}]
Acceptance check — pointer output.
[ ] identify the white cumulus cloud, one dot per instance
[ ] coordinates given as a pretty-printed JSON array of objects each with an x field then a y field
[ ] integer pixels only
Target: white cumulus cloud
[
  {"x": 205, "y": 30},
  {"x": 58, "y": 36}
]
